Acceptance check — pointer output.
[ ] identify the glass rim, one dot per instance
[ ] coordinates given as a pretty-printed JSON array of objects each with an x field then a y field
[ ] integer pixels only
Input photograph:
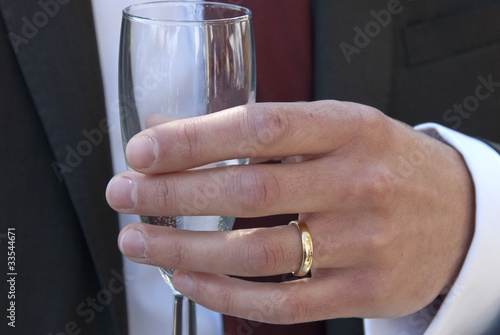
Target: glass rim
[{"x": 246, "y": 14}]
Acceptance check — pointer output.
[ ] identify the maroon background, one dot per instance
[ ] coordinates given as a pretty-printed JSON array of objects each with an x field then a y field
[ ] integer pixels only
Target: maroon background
[{"x": 283, "y": 46}]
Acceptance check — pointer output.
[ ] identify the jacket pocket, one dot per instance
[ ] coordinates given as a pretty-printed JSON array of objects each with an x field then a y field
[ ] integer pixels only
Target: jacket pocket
[{"x": 442, "y": 37}]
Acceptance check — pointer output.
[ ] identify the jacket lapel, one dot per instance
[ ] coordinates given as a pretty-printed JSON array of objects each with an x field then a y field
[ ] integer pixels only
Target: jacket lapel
[{"x": 56, "y": 50}]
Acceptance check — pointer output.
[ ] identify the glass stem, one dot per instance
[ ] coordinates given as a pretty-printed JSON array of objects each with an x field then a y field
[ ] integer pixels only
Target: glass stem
[
  {"x": 178, "y": 299},
  {"x": 192, "y": 317}
]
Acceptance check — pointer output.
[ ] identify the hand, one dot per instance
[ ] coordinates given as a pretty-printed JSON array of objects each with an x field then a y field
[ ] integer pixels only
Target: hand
[{"x": 390, "y": 210}]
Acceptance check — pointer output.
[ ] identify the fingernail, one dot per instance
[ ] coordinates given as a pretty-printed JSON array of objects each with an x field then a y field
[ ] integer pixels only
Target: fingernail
[
  {"x": 132, "y": 244},
  {"x": 141, "y": 152},
  {"x": 184, "y": 283},
  {"x": 121, "y": 192}
]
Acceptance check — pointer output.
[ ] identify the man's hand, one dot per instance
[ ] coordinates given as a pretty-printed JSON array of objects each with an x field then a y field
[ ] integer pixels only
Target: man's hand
[{"x": 390, "y": 210}]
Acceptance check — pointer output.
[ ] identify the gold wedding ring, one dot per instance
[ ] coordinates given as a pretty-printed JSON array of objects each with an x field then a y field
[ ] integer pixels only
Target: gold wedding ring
[{"x": 307, "y": 248}]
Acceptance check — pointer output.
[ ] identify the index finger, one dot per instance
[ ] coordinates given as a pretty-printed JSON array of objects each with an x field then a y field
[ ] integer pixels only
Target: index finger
[{"x": 258, "y": 130}]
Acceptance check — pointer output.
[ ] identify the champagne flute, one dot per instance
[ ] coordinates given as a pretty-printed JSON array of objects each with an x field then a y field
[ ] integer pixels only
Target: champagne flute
[{"x": 181, "y": 59}]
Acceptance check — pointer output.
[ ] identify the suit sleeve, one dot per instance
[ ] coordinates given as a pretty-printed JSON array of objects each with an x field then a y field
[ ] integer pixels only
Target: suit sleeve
[{"x": 473, "y": 304}]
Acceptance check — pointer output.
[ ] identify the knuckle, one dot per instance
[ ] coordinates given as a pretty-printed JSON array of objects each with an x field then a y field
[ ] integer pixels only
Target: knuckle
[
  {"x": 264, "y": 256},
  {"x": 290, "y": 308},
  {"x": 177, "y": 250},
  {"x": 375, "y": 194},
  {"x": 380, "y": 241},
  {"x": 256, "y": 189},
  {"x": 269, "y": 127},
  {"x": 164, "y": 250},
  {"x": 370, "y": 119},
  {"x": 225, "y": 300},
  {"x": 162, "y": 193},
  {"x": 190, "y": 146},
  {"x": 368, "y": 124},
  {"x": 380, "y": 190},
  {"x": 374, "y": 189}
]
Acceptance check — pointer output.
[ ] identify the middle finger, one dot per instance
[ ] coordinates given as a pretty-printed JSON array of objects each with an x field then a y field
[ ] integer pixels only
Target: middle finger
[{"x": 241, "y": 191}]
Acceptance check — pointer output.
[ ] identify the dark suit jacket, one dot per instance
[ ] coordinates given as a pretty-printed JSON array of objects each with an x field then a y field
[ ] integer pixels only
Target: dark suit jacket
[
  {"x": 55, "y": 151},
  {"x": 55, "y": 173}
]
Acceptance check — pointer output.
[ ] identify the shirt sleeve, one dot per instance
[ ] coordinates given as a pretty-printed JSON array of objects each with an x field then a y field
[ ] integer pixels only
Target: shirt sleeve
[{"x": 473, "y": 303}]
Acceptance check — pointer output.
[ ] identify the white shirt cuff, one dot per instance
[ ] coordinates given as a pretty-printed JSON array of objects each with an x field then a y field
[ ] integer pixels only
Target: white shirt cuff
[{"x": 473, "y": 302}]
